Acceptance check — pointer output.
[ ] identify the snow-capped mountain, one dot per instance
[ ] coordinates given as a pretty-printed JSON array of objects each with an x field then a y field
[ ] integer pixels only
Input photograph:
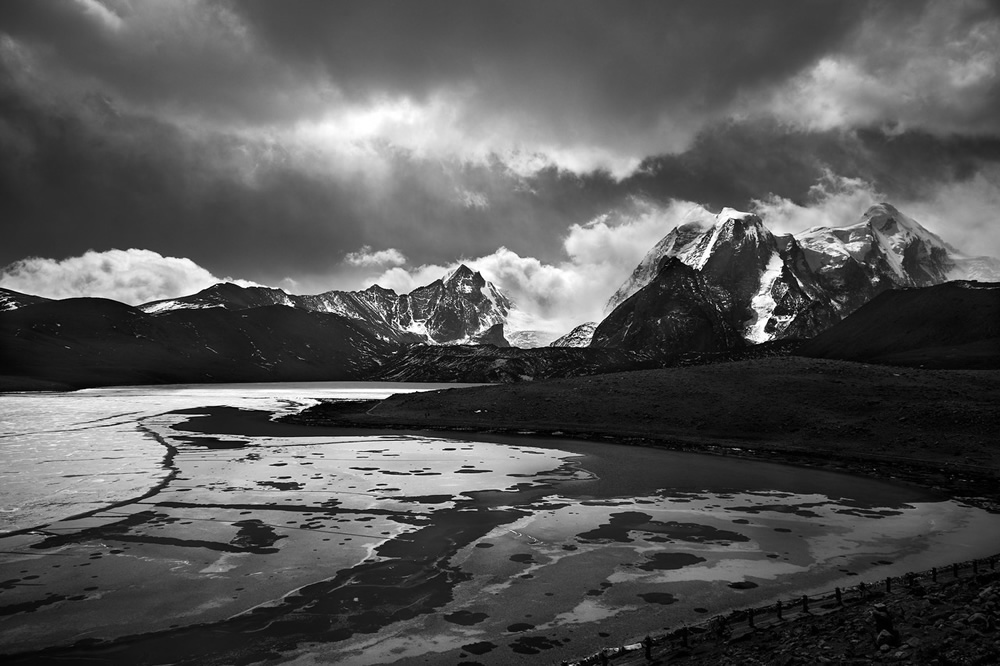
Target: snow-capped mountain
[
  {"x": 457, "y": 309},
  {"x": 793, "y": 286},
  {"x": 223, "y": 295},
  {"x": 578, "y": 337}
]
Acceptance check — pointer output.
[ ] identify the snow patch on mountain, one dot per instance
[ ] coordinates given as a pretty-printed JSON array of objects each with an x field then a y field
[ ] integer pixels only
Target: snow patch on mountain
[
  {"x": 763, "y": 302},
  {"x": 578, "y": 337},
  {"x": 797, "y": 285},
  {"x": 454, "y": 310}
]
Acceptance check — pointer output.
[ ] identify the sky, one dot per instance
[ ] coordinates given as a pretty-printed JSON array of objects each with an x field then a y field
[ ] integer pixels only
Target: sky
[{"x": 149, "y": 149}]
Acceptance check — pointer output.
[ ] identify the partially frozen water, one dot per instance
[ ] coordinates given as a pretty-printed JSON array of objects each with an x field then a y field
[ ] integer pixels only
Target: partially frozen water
[
  {"x": 63, "y": 454},
  {"x": 184, "y": 518}
]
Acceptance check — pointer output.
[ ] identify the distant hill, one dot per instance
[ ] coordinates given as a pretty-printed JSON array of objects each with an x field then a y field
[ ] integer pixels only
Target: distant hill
[
  {"x": 12, "y": 300},
  {"x": 951, "y": 325},
  {"x": 81, "y": 342}
]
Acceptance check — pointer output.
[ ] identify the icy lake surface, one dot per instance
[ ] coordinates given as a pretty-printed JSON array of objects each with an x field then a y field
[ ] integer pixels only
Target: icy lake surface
[{"x": 185, "y": 516}]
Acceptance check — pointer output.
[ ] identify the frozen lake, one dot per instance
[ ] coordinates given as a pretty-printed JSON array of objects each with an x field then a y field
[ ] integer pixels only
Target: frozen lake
[{"x": 185, "y": 518}]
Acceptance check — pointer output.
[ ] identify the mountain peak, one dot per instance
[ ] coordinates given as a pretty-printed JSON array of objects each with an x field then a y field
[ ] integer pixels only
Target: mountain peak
[
  {"x": 461, "y": 273},
  {"x": 379, "y": 289},
  {"x": 728, "y": 214}
]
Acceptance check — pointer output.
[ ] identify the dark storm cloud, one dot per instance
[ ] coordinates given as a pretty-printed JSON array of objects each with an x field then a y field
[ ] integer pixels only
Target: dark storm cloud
[
  {"x": 271, "y": 139},
  {"x": 175, "y": 57},
  {"x": 572, "y": 69},
  {"x": 98, "y": 177},
  {"x": 733, "y": 164}
]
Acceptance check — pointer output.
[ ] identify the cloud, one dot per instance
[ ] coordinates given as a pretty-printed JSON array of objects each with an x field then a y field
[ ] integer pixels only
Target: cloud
[
  {"x": 965, "y": 213},
  {"x": 366, "y": 258},
  {"x": 935, "y": 68},
  {"x": 131, "y": 276},
  {"x": 585, "y": 83},
  {"x": 555, "y": 297},
  {"x": 834, "y": 201}
]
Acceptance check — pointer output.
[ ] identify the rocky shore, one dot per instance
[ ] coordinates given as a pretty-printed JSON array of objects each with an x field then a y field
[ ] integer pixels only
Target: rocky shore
[{"x": 933, "y": 428}]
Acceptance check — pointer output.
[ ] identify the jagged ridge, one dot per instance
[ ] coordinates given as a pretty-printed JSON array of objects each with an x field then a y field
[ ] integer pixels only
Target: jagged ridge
[{"x": 779, "y": 287}]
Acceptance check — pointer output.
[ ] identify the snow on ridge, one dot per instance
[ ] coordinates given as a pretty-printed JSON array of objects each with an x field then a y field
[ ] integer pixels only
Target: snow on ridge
[
  {"x": 166, "y": 306},
  {"x": 763, "y": 302},
  {"x": 733, "y": 214}
]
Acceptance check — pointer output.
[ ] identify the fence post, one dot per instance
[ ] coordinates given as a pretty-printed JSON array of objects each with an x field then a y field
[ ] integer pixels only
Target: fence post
[
  {"x": 778, "y": 608},
  {"x": 888, "y": 584},
  {"x": 805, "y": 603},
  {"x": 836, "y": 592},
  {"x": 934, "y": 574}
]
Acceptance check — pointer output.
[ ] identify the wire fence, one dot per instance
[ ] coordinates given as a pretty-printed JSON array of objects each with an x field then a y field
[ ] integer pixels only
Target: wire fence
[{"x": 723, "y": 627}]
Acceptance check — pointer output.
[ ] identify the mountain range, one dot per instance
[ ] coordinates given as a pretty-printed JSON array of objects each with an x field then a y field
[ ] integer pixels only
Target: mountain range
[
  {"x": 714, "y": 286},
  {"x": 456, "y": 309}
]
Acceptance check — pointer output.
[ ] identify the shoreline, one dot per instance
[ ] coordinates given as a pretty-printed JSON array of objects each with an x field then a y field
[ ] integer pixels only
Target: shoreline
[
  {"x": 810, "y": 637},
  {"x": 531, "y": 414}
]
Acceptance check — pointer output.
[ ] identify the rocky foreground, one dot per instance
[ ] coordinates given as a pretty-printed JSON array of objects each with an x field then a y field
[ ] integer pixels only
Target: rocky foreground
[{"x": 935, "y": 428}]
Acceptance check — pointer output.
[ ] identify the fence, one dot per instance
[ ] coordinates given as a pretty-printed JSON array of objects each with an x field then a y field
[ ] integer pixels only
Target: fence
[{"x": 722, "y": 627}]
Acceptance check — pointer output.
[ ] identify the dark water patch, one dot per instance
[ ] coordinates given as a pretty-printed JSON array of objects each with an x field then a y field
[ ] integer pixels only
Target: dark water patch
[
  {"x": 212, "y": 442},
  {"x": 481, "y": 647},
  {"x": 32, "y": 606},
  {"x": 661, "y": 598},
  {"x": 425, "y": 499},
  {"x": 518, "y": 627},
  {"x": 669, "y": 561},
  {"x": 106, "y": 531},
  {"x": 793, "y": 509},
  {"x": 254, "y": 536},
  {"x": 365, "y": 469},
  {"x": 622, "y": 524},
  {"x": 410, "y": 578},
  {"x": 282, "y": 485},
  {"x": 781, "y": 529},
  {"x": 594, "y": 593},
  {"x": 473, "y": 471},
  {"x": 743, "y": 585},
  {"x": 534, "y": 644},
  {"x": 700, "y": 610},
  {"x": 741, "y": 521},
  {"x": 484, "y": 545},
  {"x": 465, "y": 618},
  {"x": 869, "y": 513},
  {"x": 523, "y": 558}
]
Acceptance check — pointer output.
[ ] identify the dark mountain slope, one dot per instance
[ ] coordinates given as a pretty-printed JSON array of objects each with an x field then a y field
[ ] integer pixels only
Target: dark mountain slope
[
  {"x": 11, "y": 300},
  {"x": 96, "y": 342},
  {"x": 680, "y": 311},
  {"x": 951, "y": 325}
]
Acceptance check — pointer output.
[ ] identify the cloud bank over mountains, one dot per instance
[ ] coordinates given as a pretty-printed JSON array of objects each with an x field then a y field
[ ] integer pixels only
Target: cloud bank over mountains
[{"x": 313, "y": 145}]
